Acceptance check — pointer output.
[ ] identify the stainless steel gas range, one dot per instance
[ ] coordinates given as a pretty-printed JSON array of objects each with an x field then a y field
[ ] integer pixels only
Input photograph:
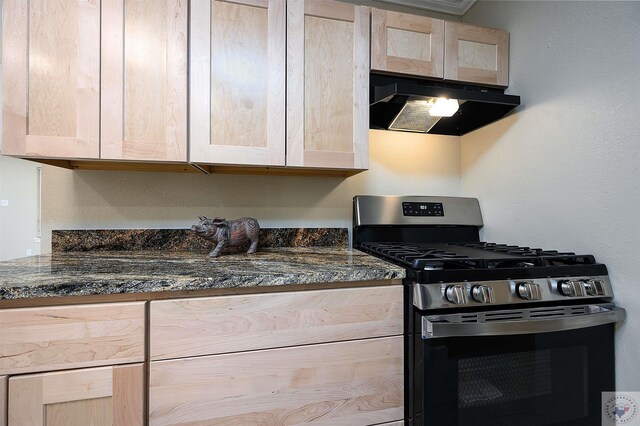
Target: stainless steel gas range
[{"x": 495, "y": 334}]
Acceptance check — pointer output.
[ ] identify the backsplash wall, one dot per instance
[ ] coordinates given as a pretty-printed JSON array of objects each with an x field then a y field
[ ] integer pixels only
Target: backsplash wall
[{"x": 400, "y": 163}]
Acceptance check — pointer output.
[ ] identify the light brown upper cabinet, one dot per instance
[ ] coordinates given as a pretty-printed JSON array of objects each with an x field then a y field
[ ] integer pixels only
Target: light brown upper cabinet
[
  {"x": 237, "y": 93},
  {"x": 433, "y": 48},
  {"x": 74, "y": 91},
  {"x": 144, "y": 80},
  {"x": 327, "y": 84},
  {"x": 475, "y": 54},
  {"x": 407, "y": 44},
  {"x": 51, "y": 78}
]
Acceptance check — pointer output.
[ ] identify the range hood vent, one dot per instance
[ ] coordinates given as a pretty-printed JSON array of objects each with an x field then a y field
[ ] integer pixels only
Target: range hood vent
[{"x": 402, "y": 103}]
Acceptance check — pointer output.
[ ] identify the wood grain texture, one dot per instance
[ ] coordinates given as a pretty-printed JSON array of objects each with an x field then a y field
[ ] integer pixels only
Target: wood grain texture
[
  {"x": 25, "y": 401},
  {"x": 328, "y": 76},
  {"x": 38, "y": 339},
  {"x": 347, "y": 383},
  {"x": 239, "y": 89},
  {"x": 145, "y": 72},
  {"x": 327, "y": 69},
  {"x": 238, "y": 57},
  {"x": 144, "y": 93},
  {"x": 475, "y": 54},
  {"x": 94, "y": 412},
  {"x": 407, "y": 44},
  {"x": 128, "y": 395},
  {"x": 3, "y": 400},
  {"x": 362, "y": 64},
  {"x": 14, "y": 76},
  {"x": 192, "y": 327},
  {"x": 96, "y": 396},
  {"x": 295, "y": 83},
  {"x": 330, "y": 10},
  {"x": 51, "y": 75},
  {"x": 53, "y": 67}
]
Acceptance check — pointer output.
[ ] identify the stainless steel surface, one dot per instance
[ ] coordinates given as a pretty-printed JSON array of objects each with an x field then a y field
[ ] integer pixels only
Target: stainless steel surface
[
  {"x": 432, "y": 296},
  {"x": 482, "y": 294},
  {"x": 537, "y": 320},
  {"x": 571, "y": 288},
  {"x": 456, "y": 294},
  {"x": 387, "y": 210},
  {"x": 528, "y": 290}
]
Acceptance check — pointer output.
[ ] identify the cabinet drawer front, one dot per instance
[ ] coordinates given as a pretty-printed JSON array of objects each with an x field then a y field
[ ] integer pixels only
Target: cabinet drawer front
[
  {"x": 51, "y": 338},
  {"x": 191, "y": 327},
  {"x": 351, "y": 383}
]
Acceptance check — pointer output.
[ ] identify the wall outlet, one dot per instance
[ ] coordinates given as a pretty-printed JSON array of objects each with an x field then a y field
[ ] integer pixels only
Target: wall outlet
[
  {"x": 4, "y": 203},
  {"x": 28, "y": 252}
]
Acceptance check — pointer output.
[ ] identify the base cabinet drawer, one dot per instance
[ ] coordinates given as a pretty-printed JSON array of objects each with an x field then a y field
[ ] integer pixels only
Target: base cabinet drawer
[
  {"x": 350, "y": 383},
  {"x": 216, "y": 325},
  {"x": 65, "y": 337},
  {"x": 93, "y": 396}
]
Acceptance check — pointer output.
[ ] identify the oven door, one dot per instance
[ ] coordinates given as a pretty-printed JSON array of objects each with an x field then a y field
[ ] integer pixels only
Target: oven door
[{"x": 514, "y": 367}]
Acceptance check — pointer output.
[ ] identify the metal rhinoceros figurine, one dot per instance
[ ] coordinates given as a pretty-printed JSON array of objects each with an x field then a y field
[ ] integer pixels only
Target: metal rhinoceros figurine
[{"x": 230, "y": 233}]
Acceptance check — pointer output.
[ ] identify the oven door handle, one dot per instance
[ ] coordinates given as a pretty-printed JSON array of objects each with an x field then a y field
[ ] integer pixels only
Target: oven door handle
[{"x": 434, "y": 329}]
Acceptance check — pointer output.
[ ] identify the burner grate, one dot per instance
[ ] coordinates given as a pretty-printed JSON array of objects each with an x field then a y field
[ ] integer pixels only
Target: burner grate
[{"x": 476, "y": 255}]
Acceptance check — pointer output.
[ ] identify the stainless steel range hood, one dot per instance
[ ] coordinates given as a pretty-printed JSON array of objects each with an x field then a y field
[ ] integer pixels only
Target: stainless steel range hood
[{"x": 403, "y": 103}]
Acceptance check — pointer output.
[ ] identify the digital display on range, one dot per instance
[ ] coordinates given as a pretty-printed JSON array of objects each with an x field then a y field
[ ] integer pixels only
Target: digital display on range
[{"x": 422, "y": 209}]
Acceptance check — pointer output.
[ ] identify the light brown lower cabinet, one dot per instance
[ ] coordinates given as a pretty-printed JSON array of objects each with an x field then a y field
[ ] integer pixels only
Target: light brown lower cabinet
[
  {"x": 93, "y": 396},
  {"x": 3, "y": 400},
  {"x": 357, "y": 382}
]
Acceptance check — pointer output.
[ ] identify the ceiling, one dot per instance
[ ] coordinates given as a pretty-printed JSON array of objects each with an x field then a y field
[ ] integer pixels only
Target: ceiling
[{"x": 453, "y": 7}]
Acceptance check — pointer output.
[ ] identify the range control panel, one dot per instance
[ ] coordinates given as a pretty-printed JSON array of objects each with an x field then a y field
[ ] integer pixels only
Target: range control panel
[
  {"x": 422, "y": 209},
  {"x": 506, "y": 292}
]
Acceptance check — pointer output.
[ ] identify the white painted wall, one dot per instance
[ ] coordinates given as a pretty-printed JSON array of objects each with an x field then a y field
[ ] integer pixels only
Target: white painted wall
[
  {"x": 564, "y": 172},
  {"x": 400, "y": 163}
]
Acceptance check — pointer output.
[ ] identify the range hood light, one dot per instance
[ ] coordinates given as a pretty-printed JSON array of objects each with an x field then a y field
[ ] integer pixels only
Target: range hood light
[{"x": 444, "y": 107}]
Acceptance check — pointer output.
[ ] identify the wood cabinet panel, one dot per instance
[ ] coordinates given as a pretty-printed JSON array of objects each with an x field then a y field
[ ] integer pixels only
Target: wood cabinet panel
[
  {"x": 237, "y": 90},
  {"x": 346, "y": 383},
  {"x": 144, "y": 85},
  {"x": 51, "y": 78},
  {"x": 39, "y": 339},
  {"x": 3, "y": 400},
  {"x": 327, "y": 84},
  {"x": 407, "y": 44},
  {"x": 475, "y": 54},
  {"x": 192, "y": 327},
  {"x": 78, "y": 397}
]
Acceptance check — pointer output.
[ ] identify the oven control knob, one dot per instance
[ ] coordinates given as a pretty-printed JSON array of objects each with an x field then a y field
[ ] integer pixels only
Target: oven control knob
[
  {"x": 593, "y": 287},
  {"x": 528, "y": 291},
  {"x": 456, "y": 294},
  {"x": 571, "y": 288},
  {"x": 482, "y": 294}
]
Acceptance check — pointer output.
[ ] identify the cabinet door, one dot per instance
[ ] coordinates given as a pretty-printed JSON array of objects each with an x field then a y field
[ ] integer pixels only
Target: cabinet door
[
  {"x": 407, "y": 44},
  {"x": 359, "y": 382},
  {"x": 144, "y": 80},
  {"x": 327, "y": 84},
  {"x": 97, "y": 396},
  {"x": 237, "y": 93},
  {"x": 474, "y": 54},
  {"x": 51, "y": 78},
  {"x": 3, "y": 400}
]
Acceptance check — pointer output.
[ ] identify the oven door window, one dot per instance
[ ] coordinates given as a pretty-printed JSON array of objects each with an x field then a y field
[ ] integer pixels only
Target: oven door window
[{"x": 525, "y": 380}]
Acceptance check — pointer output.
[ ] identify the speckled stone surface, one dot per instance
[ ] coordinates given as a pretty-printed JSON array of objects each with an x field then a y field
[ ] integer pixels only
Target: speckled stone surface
[
  {"x": 118, "y": 272},
  {"x": 185, "y": 240}
]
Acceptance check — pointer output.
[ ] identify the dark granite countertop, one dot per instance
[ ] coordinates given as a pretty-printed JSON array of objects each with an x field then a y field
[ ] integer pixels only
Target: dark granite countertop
[{"x": 147, "y": 271}]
